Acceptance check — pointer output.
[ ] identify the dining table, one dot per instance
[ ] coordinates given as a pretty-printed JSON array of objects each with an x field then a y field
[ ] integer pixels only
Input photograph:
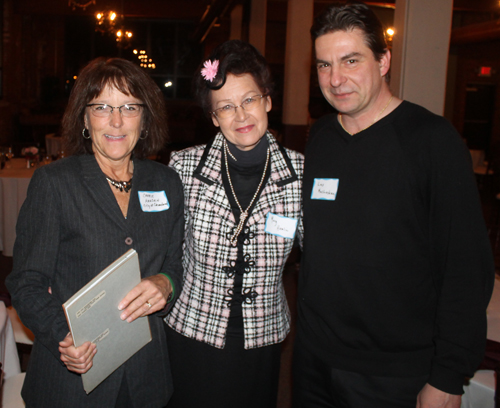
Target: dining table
[
  {"x": 11, "y": 377},
  {"x": 14, "y": 181},
  {"x": 480, "y": 392}
]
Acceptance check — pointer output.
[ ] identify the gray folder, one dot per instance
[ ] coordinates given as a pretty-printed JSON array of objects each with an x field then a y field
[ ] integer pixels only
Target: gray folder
[{"x": 93, "y": 315}]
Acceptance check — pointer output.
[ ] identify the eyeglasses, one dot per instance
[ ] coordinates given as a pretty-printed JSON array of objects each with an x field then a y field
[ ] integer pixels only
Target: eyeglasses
[
  {"x": 229, "y": 110},
  {"x": 129, "y": 110}
]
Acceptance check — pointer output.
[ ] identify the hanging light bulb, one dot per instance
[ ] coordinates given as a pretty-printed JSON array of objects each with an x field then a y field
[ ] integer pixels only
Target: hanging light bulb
[
  {"x": 106, "y": 21},
  {"x": 144, "y": 60},
  {"x": 123, "y": 38},
  {"x": 389, "y": 33}
]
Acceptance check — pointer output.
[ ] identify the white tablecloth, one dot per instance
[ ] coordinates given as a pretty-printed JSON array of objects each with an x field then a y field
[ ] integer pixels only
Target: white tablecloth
[
  {"x": 480, "y": 393},
  {"x": 8, "y": 350},
  {"x": 14, "y": 181},
  {"x": 22, "y": 334},
  {"x": 493, "y": 313}
]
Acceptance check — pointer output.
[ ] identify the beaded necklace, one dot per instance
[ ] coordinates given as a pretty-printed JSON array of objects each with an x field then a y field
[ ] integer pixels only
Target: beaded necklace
[
  {"x": 243, "y": 214},
  {"x": 121, "y": 185}
]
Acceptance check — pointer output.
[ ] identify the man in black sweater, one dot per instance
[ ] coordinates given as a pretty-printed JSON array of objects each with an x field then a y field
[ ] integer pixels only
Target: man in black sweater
[{"x": 397, "y": 269}]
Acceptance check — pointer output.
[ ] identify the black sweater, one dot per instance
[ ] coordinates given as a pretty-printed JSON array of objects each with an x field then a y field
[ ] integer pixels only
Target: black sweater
[{"x": 397, "y": 271}]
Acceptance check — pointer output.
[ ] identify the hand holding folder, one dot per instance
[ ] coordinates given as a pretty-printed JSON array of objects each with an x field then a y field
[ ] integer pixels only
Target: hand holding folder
[
  {"x": 93, "y": 315},
  {"x": 150, "y": 296},
  {"x": 78, "y": 360}
]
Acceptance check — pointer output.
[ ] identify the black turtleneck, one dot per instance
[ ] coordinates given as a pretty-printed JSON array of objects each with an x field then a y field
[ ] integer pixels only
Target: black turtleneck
[{"x": 246, "y": 173}]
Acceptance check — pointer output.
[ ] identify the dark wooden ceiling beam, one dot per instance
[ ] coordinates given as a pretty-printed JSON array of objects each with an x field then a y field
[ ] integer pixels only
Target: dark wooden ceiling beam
[
  {"x": 217, "y": 9},
  {"x": 189, "y": 9},
  {"x": 476, "y": 33},
  {"x": 489, "y": 6},
  {"x": 458, "y": 5}
]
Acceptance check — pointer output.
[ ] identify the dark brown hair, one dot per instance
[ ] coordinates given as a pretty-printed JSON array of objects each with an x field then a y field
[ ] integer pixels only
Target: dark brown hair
[
  {"x": 129, "y": 79},
  {"x": 238, "y": 58},
  {"x": 348, "y": 16}
]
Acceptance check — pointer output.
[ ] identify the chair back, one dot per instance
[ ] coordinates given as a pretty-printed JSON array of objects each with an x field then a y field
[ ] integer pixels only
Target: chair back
[{"x": 477, "y": 157}]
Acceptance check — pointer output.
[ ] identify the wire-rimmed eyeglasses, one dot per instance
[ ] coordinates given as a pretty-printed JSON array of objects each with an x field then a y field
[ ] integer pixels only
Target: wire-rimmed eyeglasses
[
  {"x": 129, "y": 110},
  {"x": 229, "y": 110}
]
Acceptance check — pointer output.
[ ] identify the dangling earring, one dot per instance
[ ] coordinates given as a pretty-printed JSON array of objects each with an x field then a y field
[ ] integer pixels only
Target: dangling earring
[
  {"x": 145, "y": 137},
  {"x": 83, "y": 133}
]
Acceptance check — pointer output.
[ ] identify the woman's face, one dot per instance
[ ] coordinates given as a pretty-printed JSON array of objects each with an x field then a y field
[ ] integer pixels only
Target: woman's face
[
  {"x": 114, "y": 136},
  {"x": 245, "y": 128}
]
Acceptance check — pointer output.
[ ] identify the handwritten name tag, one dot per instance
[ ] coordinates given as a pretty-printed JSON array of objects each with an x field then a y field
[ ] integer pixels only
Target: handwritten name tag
[
  {"x": 281, "y": 226},
  {"x": 153, "y": 201},
  {"x": 325, "y": 189}
]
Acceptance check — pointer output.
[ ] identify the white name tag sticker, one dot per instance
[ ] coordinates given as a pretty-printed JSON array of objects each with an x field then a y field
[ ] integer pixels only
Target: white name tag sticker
[
  {"x": 281, "y": 226},
  {"x": 325, "y": 189},
  {"x": 153, "y": 201}
]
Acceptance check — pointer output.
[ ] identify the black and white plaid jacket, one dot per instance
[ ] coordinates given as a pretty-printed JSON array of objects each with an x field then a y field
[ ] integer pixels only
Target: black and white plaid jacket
[{"x": 202, "y": 310}]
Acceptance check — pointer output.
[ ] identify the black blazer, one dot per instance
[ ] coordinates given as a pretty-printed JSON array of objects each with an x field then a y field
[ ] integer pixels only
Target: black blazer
[{"x": 70, "y": 228}]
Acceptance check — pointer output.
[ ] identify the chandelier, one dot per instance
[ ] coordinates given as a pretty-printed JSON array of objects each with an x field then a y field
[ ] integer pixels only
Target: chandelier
[
  {"x": 144, "y": 61},
  {"x": 123, "y": 38},
  {"x": 106, "y": 21},
  {"x": 83, "y": 4}
]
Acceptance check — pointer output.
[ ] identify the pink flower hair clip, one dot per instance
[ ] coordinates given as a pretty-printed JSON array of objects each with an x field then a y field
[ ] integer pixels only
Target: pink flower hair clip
[{"x": 209, "y": 70}]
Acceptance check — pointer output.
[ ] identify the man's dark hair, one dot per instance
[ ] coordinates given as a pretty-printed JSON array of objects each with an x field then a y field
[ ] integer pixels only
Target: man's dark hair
[{"x": 349, "y": 16}]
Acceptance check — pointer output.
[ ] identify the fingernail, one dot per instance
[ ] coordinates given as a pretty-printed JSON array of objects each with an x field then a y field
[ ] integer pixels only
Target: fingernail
[{"x": 123, "y": 316}]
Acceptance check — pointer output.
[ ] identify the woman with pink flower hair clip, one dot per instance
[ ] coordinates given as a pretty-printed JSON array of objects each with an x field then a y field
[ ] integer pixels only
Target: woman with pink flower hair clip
[{"x": 242, "y": 217}]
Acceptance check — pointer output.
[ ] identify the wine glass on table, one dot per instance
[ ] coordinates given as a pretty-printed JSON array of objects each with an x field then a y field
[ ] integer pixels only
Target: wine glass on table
[{"x": 9, "y": 155}]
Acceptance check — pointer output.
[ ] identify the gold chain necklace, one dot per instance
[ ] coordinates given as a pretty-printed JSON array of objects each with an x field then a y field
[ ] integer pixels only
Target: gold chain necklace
[
  {"x": 374, "y": 120},
  {"x": 243, "y": 214}
]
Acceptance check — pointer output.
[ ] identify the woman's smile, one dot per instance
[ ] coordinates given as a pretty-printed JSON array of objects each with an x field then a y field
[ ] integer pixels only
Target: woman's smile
[
  {"x": 246, "y": 127},
  {"x": 114, "y": 137}
]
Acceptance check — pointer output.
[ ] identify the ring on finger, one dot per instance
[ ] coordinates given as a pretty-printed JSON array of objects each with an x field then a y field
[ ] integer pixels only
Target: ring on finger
[{"x": 149, "y": 304}]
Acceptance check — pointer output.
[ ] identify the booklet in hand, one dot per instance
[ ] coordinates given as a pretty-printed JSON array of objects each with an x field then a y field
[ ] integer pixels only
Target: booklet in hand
[{"x": 92, "y": 314}]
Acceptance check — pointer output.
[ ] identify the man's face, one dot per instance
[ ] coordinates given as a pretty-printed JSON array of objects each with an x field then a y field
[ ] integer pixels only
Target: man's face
[{"x": 349, "y": 75}]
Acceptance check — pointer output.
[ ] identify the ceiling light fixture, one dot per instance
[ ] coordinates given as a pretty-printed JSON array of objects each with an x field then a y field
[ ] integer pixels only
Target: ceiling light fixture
[{"x": 80, "y": 4}]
